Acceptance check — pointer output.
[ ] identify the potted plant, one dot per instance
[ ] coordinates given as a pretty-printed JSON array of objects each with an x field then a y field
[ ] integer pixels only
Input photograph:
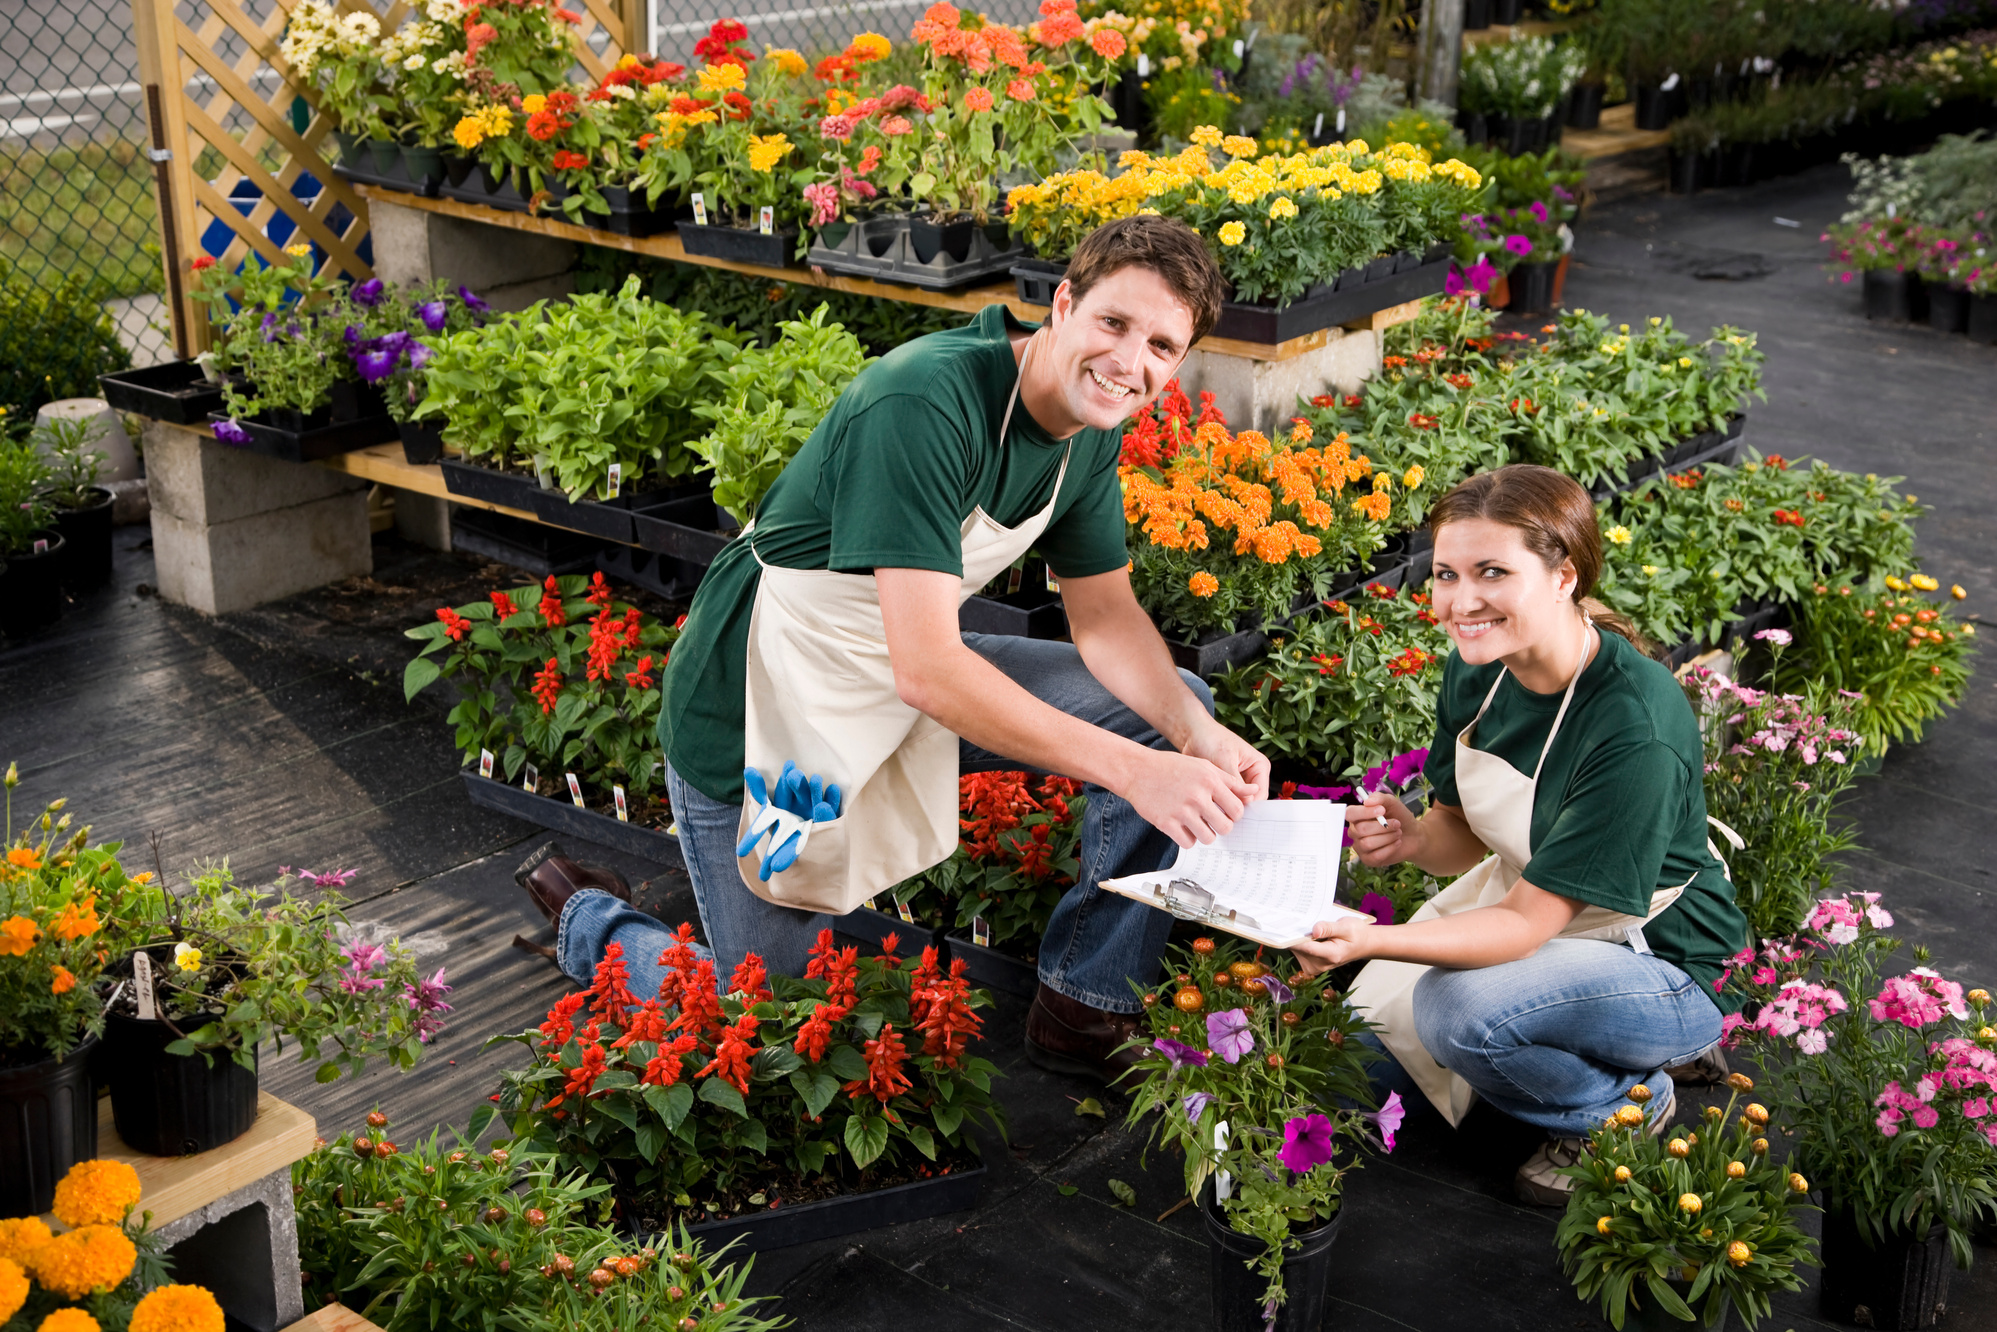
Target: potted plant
[
  {"x": 58, "y": 897},
  {"x": 1886, "y": 1082},
  {"x": 1254, "y": 1079},
  {"x": 1682, "y": 1226},
  {"x": 391, "y": 360},
  {"x": 1519, "y": 85},
  {"x": 228, "y": 968},
  {"x": 82, "y": 507},
  {"x": 31, "y": 578},
  {"x": 1884, "y": 253},
  {"x": 714, "y": 1105}
]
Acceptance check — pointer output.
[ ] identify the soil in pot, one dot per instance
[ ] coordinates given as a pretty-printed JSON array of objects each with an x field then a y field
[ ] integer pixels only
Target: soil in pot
[
  {"x": 48, "y": 1122},
  {"x": 1903, "y": 1283},
  {"x": 1237, "y": 1287},
  {"x": 86, "y": 542},
  {"x": 31, "y": 586}
]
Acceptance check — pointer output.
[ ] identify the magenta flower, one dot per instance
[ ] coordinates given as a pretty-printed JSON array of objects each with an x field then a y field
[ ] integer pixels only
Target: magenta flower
[
  {"x": 231, "y": 433},
  {"x": 1196, "y": 1105},
  {"x": 1481, "y": 275},
  {"x": 1538, "y": 211},
  {"x": 1379, "y": 907},
  {"x": 1453, "y": 284},
  {"x": 1181, "y": 1054},
  {"x": 1228, "y": 1034},
  {"x": 1918, "y": 998},
  {"x": 332, "y": 879},
  {"x": 1306, "y": 1143},
  {"x": 1518, "y": 245},
  {"x": 1389, "y": 1117},
  {"x": 426, "y": 997}
]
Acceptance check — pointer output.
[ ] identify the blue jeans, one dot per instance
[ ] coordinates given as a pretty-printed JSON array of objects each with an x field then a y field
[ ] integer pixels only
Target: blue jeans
[
  {"x": 1558, "y": 1039},
  {"x": 1096, "y": 944}
]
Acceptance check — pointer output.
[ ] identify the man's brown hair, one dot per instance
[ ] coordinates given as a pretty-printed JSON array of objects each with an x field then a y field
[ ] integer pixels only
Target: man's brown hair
[{"x": 1166, "y": 246}]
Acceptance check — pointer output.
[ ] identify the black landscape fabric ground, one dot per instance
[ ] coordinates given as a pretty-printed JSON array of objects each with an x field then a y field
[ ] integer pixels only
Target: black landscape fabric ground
[{"x": 280, "y": 737}]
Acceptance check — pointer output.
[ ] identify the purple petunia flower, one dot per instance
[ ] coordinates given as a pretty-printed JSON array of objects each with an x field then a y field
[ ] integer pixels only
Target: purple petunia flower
[
  {"x": 1324, "y": 792},
  {"x": 1378, "y": 907},
  {"x": 1276, "y": 990},
  {"x": 375, "y": 364},
  {"x": 419, "y": 354},
  {"x": 1481, "y": 275},
  {"x": 1453, "y": 284},
  {"x": 231, "y": 433},
  {"x": 351, "y": 335},
  {"x": 1228, "y": 1034},
  {"x": 269, "y": 327},
  {"x": 368, "y": 293},
  {"x": 1403, "y": 766},
  {"x": 1306, "y": 1143},
  {"x": 1389, "y": 1117},
  {"x": 1181, "y": 1054},
  {"x": 1196, "y": 1104},
  {"x": 397, "y": 341},
  {"x": 433, "y": 314},
  {"x": 1518, "y": 245},
  {"x": 472, "y": 303}
]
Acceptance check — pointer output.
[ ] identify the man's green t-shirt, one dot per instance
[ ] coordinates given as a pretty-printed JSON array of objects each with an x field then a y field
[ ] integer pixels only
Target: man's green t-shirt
[
  {"x": 910, "y": 450},
  {"x": 1620, "y": 809}
]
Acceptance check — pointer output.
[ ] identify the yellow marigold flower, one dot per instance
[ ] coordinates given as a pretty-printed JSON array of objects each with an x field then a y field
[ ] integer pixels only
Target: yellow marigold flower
[
  {"x": 18, "y": 935},
  {"x": 723, "y": 79},
  {"x": 1238, "y": 145},
  {"x": 789, "y": 61},
  {"x": 1357, "y": 147},
  {"x": 68, "y": 1320},
  {"x": 1231, "y": 233},
  {"x": 1619, "y": 535},
  {"x": 1203, "y": 584},
  {"x": 498, "y": 122},
  {"x": 1284, "y": 207},
  {"x": 1207, "y": 136},
  {"x": 1301, "y": 432},
  {"x": 24, "y": 857},
  {"x": 86, "y": 1259},
  {"x": 766, "y": 150},
  {"x": 1924, "y": 582},
  {"x": 13, "y": 1288},
  {"x": 1413, "y": 477},
  {"x": 20, "y": 1237},
  {"x": 1375, "y": 506},
  {"x": 177, "y": 1309},
  {"x": 534, "y": 104},
  {"x": 870, "y": 46},
  {"x": 96, "y": 1193},
  {"x": 1690, "y": 1203}
]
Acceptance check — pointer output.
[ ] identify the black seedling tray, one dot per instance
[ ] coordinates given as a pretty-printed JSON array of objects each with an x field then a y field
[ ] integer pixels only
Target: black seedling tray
[
  {"x": 882, "y": 249},
  {"x": 177, "y": 392},
  {"x": 564, "y": 816}
]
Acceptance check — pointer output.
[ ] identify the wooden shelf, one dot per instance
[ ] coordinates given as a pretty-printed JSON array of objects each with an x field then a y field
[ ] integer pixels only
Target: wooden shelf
[
  {"x": 384, "y": 465},
  {"x": 1501, "y": 32},
  {"x": 332, "y": 1318},
  {"x": 172, "y": 1187},
  {"x": 1617, "y": 134},
  {"x": 969, "y": 301}
]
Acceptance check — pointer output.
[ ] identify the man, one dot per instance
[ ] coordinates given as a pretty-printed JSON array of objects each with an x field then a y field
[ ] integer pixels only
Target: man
[{"x": 828, "y": 635}]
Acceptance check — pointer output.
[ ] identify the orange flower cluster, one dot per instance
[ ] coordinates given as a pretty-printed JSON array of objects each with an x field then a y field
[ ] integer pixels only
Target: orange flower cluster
[{"x": 1235, "y": 482}]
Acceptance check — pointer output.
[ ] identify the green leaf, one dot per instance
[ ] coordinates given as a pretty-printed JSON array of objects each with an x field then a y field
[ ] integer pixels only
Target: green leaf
[
  {"x": 1066, "y": 1190},
  {"x": 716, "y": 1092},
  {"x": 866, "y": 1138},
  {"x": 670, "y": 1104},
  {"x": 1089, "y": 1105},
  {"x": 847, "y": 1064},
  {"x": 327, "y": 1072},
  {"x": 418, "y": 675},
  {"x": 815, "y": 1088},
  {"x": 1125, "y": 1195},
  {"x": 924, "y": 1143},
  {"x": 650, "y": 1139}
]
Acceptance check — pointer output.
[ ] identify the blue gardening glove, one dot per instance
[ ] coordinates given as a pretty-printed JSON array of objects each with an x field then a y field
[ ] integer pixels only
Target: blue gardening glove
[{"x": 786, "y": 815}]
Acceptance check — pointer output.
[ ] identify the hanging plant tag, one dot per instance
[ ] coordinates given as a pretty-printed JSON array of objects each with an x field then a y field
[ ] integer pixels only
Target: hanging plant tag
[
  {"x": 1668, "y": 84},
  {"x": 1318, "y": 129},
  {"x": 1012, "y": 583},
  {"x": 623, "y": 814},
  {"x": 766, "y": 221},
  {"x": 981, "y": 932},
  {"x": 699, "y": 209},
  {"x": 41, "y": 546},
  {"x": 907, "y": 916},
  {"x": 1143, "y": 65},
  {"x": 616, "y": 479},
  {"x": 530, "y": 781},
  {"x": 575, "y": 789},
  {"x": 485, "y": 763},
  {"x": 1341, "y": 120},
  {"x": 142, "y": 986}
]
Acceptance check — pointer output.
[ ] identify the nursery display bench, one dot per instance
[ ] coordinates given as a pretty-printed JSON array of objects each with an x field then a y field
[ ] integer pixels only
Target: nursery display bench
[{"x": 226, "y": 1215}]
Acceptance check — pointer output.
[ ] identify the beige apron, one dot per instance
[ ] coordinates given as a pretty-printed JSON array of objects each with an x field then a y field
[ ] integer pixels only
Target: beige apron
[
  {"x": 821, "y": 691},
  {"x": 1497, "y": 804}
]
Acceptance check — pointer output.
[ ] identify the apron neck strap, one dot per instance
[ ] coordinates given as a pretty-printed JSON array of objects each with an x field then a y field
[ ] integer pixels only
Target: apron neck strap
[
  {"x": 1005, "y": 423},
  {"x": 1588, "y": 629}
]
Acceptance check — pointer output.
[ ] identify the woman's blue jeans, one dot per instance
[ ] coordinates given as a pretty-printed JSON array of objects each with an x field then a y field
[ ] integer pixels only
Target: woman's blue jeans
[
  {"x": 1097, "y": 944},
  {"x": 1558, "y": 1039}
]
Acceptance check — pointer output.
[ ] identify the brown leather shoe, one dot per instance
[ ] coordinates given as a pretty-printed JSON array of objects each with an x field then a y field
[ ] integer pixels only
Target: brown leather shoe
[
  {"x": 1064, "y": 1035},
  {"x": 551, "y": 879}
]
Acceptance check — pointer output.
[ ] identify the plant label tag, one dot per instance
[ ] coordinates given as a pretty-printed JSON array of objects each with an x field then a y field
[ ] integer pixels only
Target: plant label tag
[
  {"x": 575, "y": 789},
  {"x": 142, "y": 985},
  {"x": 1341, "y": 121},
  {"x": 485, "y": 763},
  {"x": 766, "y": 220},
  {"x": 869, "y": 903},
  {"x": 1240, "y": 48},
  {"x": 981, "y": 932},
  {"x": 907, "y": 916},
  {"x": 41, "y": 547},
  {"x": 616, "y": 479},
  {"x": 1018, "y": 576},
  {"x": 1143, "y": 65},
  {"x": 699, "y": 209},
  {"x": 1053, "y": 583},
  {"x": 623, "y": 813},
  {"x": 1668, "y": 84},
  {"x": 530, "y": 780},
  {"x": 1318, "y": 129}
]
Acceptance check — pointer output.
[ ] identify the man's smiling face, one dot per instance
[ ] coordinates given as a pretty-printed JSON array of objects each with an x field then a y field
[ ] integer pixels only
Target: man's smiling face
[{"x": 1110, "y": 353}]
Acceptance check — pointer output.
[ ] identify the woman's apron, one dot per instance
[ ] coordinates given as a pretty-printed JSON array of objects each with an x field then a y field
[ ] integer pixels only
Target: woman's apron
[
  {"x": 1497, "y": 804},
  {"x": 821, "y": 690}
]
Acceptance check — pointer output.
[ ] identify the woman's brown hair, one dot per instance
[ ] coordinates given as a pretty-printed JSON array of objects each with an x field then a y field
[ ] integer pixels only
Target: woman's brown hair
[{"x": 1556, "y": 519}]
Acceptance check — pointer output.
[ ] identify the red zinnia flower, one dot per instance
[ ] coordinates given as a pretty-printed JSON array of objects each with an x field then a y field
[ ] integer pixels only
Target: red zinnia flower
[
  {"x": 202, "y": 262},
  {"x": 686, "y": 106}
]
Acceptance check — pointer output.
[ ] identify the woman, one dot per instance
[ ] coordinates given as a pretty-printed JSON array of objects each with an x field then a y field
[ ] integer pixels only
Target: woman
[{"x": 1577, "y": 954}]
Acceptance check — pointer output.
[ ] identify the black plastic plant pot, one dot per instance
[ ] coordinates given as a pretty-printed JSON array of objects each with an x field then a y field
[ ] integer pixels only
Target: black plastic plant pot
[
  {"x": 1584, "y": 106},
  {"x": 308, "y": 437},
  {"x": 1505, "y": 12},
  {"x": 420, "y": 443},
  {"x": 1889, "y": 294},
  {"x": 1027, "y": 613},
  {"x": 1531, "y": 288},
  {"x": 1653, "y": 107},
  {"x": 509, "y": 489},
  {"x": 1476, "y": 15},
  {"x": 1650, "y": 1316},
  {"x": 48, "y": 1122},
  {"x": 1948, "y": 308},
  {"x": 31, "y": 586},
  {"x": 1737, "y": 165},
  {"x": 169, "y": 1104},
  {"x": 740, "y": 244},
  {"x": 1903, "y": 1283},
  {"x": 1237, "y": 1287},
  {"x": 1476, "y": 126},
  {"x": 989, "y": 967},
  {"x": 1687, "y": 173},
  {"x": 576, "y": 820},
  {"x": 1212, "y": 653},
  {"x": 178, "y": 391},
  {"x": 1982, "y": 325},
  {"x": 86, "y": 542}
]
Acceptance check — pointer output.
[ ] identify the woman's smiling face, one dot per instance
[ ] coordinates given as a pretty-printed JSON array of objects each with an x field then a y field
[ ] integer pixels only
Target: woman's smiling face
[{"x": 1494, "y": 597}]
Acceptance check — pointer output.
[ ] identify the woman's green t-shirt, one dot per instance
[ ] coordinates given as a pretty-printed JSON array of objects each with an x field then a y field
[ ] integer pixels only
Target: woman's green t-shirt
[{"x": 1620, "y": 809}]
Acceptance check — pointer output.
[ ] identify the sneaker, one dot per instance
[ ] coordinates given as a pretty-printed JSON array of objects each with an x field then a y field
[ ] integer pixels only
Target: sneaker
[
  {"x": 1705, "y": 1069},
  {"x": 1539, "y": 1182}
]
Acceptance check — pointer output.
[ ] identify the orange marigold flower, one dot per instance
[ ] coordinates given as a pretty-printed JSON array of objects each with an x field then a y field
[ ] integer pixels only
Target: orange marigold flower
[
  {"x": 177, "y": 1309},
  {"x": 1203, "y": 584}
]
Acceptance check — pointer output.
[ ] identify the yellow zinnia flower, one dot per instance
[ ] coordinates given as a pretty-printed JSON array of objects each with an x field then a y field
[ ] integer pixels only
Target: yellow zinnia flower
[
  {"x": 1207, "y": 136},
  {"x": 1231, "y": 233},
  {"x": 723, "y": 79},
  {"x": 789, "y": 61},
  {"x": 469, "y": 132},
  {"x": 1413, "y": 477},
  {"x": 1619, "y": 534},
  {"x": 766, "y": 150},
  {"x": 533, "y": 104}
]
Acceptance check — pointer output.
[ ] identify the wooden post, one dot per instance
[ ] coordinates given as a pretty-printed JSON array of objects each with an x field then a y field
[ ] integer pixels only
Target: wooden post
[
  {"x": 1439, "y": 56},
  {"x": 165, "y": 82}
]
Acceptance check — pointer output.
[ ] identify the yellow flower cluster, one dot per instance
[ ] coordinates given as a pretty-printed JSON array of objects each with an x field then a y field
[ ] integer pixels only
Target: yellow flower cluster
[
  {"x": 723, "y": 79},
  {"x": 13, "y": 1288},
  {"x": 766, "y": 150},
  {"x": 79, "y": 1261},
  {"x": 69, "y": 1320},
  {"x": 96, "y": 1193},
  {"x": 475, "y": 127},
  {"x": 790, "y": 62},
  {"x": 20, "y": 1237},
  {"x": 177, "y": 1309}
]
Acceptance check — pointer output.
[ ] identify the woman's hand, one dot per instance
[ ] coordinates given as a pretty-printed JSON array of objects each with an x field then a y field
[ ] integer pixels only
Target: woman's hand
[
  {"x": 1378, "y": 846},
  {"x": 1334, "y": 943}
]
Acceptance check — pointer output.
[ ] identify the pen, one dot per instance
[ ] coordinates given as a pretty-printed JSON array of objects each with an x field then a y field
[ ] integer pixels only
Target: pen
[{"x": 1364, "y": 797}]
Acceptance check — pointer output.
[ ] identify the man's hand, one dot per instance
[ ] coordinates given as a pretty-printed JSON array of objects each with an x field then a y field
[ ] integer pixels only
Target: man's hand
[
  {"x": 1334, "y": 943},
  {"x": 1231, "y": 754},
  {"x": 1188, "y": 798}
]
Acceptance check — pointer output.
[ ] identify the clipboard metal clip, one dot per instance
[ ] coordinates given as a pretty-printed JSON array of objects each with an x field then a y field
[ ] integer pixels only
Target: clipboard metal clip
[{"x": 1188, "y": 901}]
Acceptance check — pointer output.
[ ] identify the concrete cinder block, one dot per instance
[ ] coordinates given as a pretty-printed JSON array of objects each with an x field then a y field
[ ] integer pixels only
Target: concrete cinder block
[
  {"x": 413, "y": 246},
  {"x": 202, "y": 482},
  {"x": 424, "y": 519},
  {"x": 243, "y": 1248},
  {"x": 221, "y": 567},
  {"x": 1262, "y": 395}
]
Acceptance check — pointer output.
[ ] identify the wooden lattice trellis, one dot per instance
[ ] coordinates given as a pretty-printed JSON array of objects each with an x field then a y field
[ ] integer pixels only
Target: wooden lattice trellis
[{"x": 218, "y": 90}]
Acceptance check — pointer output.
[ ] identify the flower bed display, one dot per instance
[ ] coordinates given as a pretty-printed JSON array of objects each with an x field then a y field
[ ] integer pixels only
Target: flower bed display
[{"x": 853, "y": 1080}]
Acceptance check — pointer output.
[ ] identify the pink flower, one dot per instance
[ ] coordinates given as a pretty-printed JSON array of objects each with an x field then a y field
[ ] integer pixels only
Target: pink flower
[
  {"x": 1228, "y": 1035},
  {"x": 1888, "y": 1122},
  {"x": 896, "y": 126},
  {"x": 1926, "y": 1117},
  {"x": 836, "y": 127},
  {"x": 1918, "y": 998},
  {"x": 899, "y": 98},
  {"x": 1813, "y": 1042},
  {"x": 1976, "y": 1107},
  {"x": 824, "y": 200},
  {"x": 1306, "y": 1143},
  {"x": 978, "y": 99}
]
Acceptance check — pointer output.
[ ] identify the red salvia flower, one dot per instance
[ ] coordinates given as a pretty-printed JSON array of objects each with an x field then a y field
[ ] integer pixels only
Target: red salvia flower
[
  {"x": 648, "y": 1023},
  {"x": 551, "y": 605},
  {"x": 582, "y": 1078},
  {"x": 606, "y": 645},
  {"x": 820, "y": 956},
  {"x": 700, "y": 1008},
  {"x": 814, "y": 1038},
  {"x": 454, "y": 623},
  {"x": 641, "y": 678},
  {"x": 889, "y": 942},
  {"x": 842, "y": 978},
  {"x": 678, "y": 960},
  {"x": 731, "y": 1058},
  {"x": 548, "y": 685},
  {"x": 632, "y": 627},
  {"x": 560, "y": 1024},
  {"x": 503, "y": 604},
  {"x": 599, "y": 592},
  {"x": 948, "y": 1025},
  {"x": 666, "y": 1066},
  {"x": 1035, "y": 854},
  {"x": 751, "y": 978},
  {"x": 610, "y": 996},
  {"x": 885, "y": 1057},
  {"x": 926, "y": 972}
]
